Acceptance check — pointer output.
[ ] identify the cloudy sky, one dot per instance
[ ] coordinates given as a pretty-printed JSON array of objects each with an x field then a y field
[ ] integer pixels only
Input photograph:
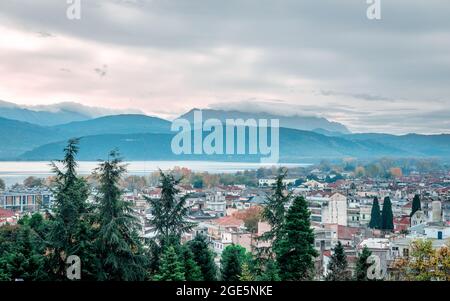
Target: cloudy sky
[{"x": 164, "y": 57}]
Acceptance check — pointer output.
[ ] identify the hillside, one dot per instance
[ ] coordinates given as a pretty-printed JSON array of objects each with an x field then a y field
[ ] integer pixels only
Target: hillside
[
  {"x": 117, "y": 124},
  {"x": 295, "y": 146}
]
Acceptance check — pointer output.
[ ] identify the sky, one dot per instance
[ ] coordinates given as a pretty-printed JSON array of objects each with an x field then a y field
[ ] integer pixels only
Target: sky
[{"x": 164, "y": 57}]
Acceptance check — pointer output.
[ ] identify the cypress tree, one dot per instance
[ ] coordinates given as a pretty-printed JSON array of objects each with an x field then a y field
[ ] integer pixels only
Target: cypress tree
[
  {"x": 387, "y": 217},
  {"x": 362, "y": 265},
  {"x": 338, "y": 265},
  {"x": 204, "y": 257},
  {"x": 171, "y": 267},
  {"x": 416, "y": 206},
  {"x": 295, "y": 255},
  {"x": 231, "y": 263},
  {"x": 120, "y": 249},
  {"x": 191, "y": 268},
  {"x": 375, "y": 215}
]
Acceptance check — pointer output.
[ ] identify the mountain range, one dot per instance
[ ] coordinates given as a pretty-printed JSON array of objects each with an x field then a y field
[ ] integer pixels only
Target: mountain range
[{"x": 141, "y": 137}]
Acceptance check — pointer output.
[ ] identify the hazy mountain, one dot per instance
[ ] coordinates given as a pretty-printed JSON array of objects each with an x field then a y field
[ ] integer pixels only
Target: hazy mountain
[
  {"x": 295, "y": 146},
  {"x": 431, "y": 145},
  {"x": 17, "y": 137},
  {"x": 118, "y": 124},
  {"x": 306, "y": 123},
  {"x": 49, "y": 115}
]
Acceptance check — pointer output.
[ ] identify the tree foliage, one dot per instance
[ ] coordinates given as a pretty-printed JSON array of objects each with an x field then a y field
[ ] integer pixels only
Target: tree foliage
[
  {"x": 387, "y": 217},
  {"x": 362, "y": 265},
  {"x": 120, "y": 250},
  {"x": 338, "y": 266},
  {"x": 295, "y": 253},
  {"x": 416, "y": 206},
  {"x": 204, "y": 257},
  {"x": 375, "y": 215}
]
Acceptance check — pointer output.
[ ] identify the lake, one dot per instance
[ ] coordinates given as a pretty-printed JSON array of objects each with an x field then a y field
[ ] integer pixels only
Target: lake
[{"x": 16, "y": 172}]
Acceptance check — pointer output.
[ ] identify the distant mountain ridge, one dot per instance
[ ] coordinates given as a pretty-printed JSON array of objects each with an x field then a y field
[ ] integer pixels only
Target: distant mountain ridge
[
  {"x": 295, "y": 146},
  {"x": 142, "y": 137},
  {"x": 305, "y": 123},
  {"x": 56, "y": 114}
]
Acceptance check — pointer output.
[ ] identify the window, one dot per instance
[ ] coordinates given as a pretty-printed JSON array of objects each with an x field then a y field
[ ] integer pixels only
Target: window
[{"x": 405, "y": 252}]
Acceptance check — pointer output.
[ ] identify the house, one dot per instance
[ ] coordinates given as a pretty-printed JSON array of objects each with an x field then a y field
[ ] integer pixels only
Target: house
[
  {"x": 418, "y": 218},
  {"x": 26, "y": 199},
  {"x": 401, "y": 223}
]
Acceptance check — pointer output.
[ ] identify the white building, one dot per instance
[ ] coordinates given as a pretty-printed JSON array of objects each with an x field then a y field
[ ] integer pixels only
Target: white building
[{"x": 334, "y": 211}]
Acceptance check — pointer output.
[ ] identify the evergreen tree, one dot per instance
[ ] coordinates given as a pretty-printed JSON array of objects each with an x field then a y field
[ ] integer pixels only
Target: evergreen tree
[
  {"x": 295, "y": 255},
  {"x": 233, "y": 257},
  {"x": 20, "y": 254},
  {"x": 171, "y": 267},
  {"x": 338, "y": 265},
  {"x": 246, "y": 273},
  {"x": 375, "y": 215},
  {"x": 416, "y": 206},
  {"x": 270, "y": 272},
  {"x": 274, "y": 214},
  {"x": 170, "y": 213},
  {"x": 169, "y": 218},
  {"x": 120, "y": 250},
  {"x": 387, "y": 217},
  {"x": 204, "y": 257},
  {"x": 70, "y": 231},
  {"x": 362, "y": 265},
  {"x": 191, "y": 268}
]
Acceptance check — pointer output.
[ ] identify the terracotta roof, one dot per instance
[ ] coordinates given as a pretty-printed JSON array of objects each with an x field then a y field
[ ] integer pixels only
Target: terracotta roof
[
  {"x": 6, "y": 213},
  {"x": 228, "y": 221}
]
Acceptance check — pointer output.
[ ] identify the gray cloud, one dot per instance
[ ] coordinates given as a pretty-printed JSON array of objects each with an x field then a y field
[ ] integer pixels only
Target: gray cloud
[{"x": 315, "y": 57}]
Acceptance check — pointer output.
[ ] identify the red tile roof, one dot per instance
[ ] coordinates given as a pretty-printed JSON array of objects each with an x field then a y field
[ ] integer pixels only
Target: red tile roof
[
  {"x": 228, "y": 221},
  {"x": 6, "y": 213}
]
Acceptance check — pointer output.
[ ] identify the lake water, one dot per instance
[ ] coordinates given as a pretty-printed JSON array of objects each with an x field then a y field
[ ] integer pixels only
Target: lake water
[{"x": 16, "y": 172}]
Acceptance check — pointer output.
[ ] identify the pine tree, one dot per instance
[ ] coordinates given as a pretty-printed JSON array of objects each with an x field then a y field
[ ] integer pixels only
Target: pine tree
[
  {"x": 191, "y": 268},
  {"x": 70, "y": 231},
  {"x": 375, "y": 215},
  {"x": 362, "y": 265},
  {"x": 338, "y": 265},
  {"x": 119, "y": 247},
  {"x": 416, "y": 206},
  {"x": 204, "y": 257},
  {"x": 387, "y": 217},
  {"x": 295, "y": 255},
  {"x": 274, "y": 214},
  {"x": 233, "y": 257},
  {"x": 246, "y": 273},
  {"x": 171, "y": 267}
]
